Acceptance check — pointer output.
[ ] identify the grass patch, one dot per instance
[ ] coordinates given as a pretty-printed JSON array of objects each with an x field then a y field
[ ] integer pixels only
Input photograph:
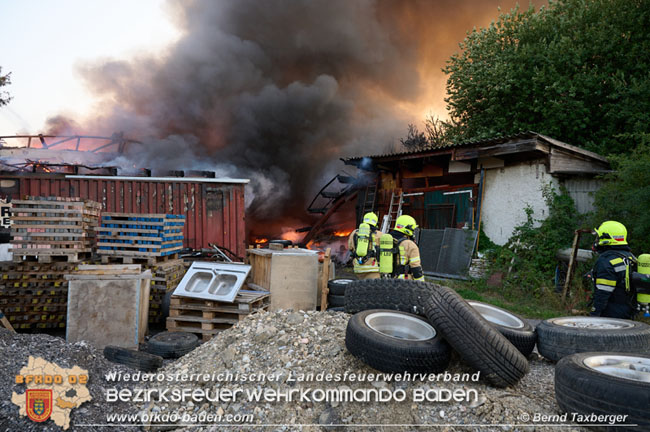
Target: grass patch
[{"x": 543, "y": 307}]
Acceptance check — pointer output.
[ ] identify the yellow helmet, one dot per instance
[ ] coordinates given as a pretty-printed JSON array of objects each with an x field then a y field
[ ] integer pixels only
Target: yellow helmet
[
  {"x": 406, "y": 224},
  {"x": 371, "y": 219},
  {"x": 611, "y": 233}
]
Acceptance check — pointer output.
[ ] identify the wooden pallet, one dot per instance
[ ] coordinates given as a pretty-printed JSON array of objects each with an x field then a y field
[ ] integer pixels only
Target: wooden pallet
[
  {"x": 207, "y": 318},
  {"x": 144, "y": 260},
  {"x": 140, "y": 235},
  {"x": 53, "y": 229},
  {"x": 54, "y": 256},
  {"x": 34, "y": 295}
]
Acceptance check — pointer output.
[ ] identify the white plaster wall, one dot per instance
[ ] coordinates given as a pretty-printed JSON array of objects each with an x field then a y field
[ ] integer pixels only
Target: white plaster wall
[{"x": 507, "y": 191}]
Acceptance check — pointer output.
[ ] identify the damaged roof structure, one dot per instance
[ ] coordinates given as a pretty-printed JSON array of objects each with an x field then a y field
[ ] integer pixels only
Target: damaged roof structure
[{"x": 489, "y": 181}]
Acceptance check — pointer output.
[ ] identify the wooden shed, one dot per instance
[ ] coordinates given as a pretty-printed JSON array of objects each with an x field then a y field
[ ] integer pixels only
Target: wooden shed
[{"x": 494, "y": 179}]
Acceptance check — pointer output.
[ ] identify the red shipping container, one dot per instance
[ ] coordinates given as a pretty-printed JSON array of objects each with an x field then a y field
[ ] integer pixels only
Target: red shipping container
[{"x": 214, "y": 208}]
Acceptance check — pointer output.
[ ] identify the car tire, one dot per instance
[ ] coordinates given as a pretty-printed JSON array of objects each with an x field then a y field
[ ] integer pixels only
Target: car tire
[
  {"x": 605, "y": 383},
  {"x": 164, "y": 306},
  {"x": 338, "y": 286},
  {"x": 474, "y": 338},
  {"x": 172, "y": 344},
  {"x": 336, "y": 300},
  {"x": 393, "y": 341},
  {"x": 519, "y": 332},
  {"x": 563, "y": 336},
  {"x": 136, "y": 359},
  {"x": 394, "y": 294}
]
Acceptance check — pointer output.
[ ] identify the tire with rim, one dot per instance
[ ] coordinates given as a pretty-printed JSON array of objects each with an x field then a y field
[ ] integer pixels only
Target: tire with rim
[
  {"x": 172, "y": 344},
  {"x": 338, "y": 286},
  {"x": 394, "y": 294},
  {"x": 605, "y": 383},
  {"x": 474, "y": 338},
  {"x": 136, "y": 359},
  {"x": 335, "y": 300},
  {"x": 563, "y": 336},
  {"x": 393, "y": 341},
  {"x": 520, "y": 333}
]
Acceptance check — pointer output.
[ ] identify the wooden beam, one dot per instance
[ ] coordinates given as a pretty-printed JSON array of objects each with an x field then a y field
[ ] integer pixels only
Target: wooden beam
[
  {"x": 324, "y": 290},
  {"x": 5, "y": 322}
]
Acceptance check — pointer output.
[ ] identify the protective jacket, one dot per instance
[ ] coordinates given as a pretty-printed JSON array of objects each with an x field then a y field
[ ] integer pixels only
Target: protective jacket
[
  {"x": 370, "y": 263},
  {"x": 408, "y": 264},
  {"x": 613, "y": 295}
]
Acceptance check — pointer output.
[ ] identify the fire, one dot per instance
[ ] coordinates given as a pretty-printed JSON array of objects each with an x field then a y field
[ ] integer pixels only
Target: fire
[
  {"x": 261, "y": 240},
  {"x": 290, "y": 234},
  {"x": 342, "y": 233}
]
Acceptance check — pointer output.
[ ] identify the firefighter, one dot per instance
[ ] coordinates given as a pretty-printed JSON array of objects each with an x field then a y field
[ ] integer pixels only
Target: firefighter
[
  {"x": 363, "y": 244},
  {"x": 408, "y": 264},
  {"x": 613, "y": 295}
]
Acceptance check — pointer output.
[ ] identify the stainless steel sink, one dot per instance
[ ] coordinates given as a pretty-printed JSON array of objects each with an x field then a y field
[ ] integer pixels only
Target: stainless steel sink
[{"x": 213, "y": 281}]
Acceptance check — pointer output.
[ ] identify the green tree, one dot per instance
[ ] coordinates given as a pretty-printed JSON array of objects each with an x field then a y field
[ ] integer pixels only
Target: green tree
[
  {"x": 626, "y": 194},
  {"x": 4, "y": 80},
  {"x": 577, "y": 70}
]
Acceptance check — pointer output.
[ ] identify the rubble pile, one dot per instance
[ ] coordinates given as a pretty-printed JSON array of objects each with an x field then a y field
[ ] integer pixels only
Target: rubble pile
[{"x": 294, "y": 345}]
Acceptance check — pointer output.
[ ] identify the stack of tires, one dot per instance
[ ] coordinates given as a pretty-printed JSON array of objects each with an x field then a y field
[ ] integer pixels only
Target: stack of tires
[
  {"x": 402, "y": 325},
  {"x": 336, "y": 296},
  {"x": 603, "y": 369}
]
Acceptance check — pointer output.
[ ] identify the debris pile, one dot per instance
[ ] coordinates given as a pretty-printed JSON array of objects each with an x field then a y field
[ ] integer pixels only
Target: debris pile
[{"x": 298, "y": 346}]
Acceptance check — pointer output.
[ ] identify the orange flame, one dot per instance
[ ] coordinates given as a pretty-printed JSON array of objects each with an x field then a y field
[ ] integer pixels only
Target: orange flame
[
  {"x": 261, "y": 240},
  {"x": 342, "y": 233}
]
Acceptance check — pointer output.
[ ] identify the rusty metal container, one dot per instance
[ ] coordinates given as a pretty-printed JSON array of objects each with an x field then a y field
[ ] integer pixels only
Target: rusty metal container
[{"x": 214, "y": 207}]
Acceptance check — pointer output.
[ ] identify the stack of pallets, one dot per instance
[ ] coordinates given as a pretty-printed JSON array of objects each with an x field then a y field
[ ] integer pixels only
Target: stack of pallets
[
  {"x": 207, "y": 318},
  {"x": 165, "y": 277},
  {"x": 50, "y": 229},
  {"x": 130, "y": 238},
  {"x": 35, "y": 295}
]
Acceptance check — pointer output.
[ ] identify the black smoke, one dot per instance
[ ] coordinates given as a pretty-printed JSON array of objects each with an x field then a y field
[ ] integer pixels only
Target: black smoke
[{"x": 277, "y": 90}]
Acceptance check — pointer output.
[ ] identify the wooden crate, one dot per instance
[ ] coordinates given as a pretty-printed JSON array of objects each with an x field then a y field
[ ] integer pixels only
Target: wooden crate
[
  {"x": 51, "y": 229},
  {"x": 290, "y": 275},
  {"x": 207, "y": 318},
  {"x": 128, "y": 236}
]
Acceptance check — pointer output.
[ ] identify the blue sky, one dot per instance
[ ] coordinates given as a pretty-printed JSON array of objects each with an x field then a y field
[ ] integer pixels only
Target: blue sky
[{"x": 43, "y": 41}]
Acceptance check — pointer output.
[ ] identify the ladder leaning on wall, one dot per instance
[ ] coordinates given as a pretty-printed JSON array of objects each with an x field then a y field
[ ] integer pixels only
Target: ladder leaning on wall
[{"x": 394, "y": 210}]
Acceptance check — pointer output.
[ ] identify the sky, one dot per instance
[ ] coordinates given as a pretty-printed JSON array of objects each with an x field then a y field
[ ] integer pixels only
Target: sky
[
  {"x": 42, "y": 42},
  {"x": 45, "y": 43}
]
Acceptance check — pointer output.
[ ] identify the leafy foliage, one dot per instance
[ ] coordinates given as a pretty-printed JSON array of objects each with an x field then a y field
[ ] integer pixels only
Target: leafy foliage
[
  {"x": 576, "y": 71},
  {"x": 626, "y": 194},
  {"x": 4, "y": 80}
]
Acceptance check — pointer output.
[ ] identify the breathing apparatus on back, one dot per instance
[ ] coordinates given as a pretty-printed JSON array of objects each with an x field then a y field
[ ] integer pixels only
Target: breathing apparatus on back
[
  {"x": 637, "y": 272},
  {"x": 364, "y": 247}
]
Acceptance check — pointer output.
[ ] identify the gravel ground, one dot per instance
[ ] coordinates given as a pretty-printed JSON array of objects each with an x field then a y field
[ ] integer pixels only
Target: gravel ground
[{"x": 282, "y": 344}]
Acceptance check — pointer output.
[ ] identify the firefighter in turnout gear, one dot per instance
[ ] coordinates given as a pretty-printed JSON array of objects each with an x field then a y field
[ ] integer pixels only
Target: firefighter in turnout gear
[
  {"x": 614, "y": 296},
  {"x": 407, "y": 253},
  {"x": 363, "y": 244}
]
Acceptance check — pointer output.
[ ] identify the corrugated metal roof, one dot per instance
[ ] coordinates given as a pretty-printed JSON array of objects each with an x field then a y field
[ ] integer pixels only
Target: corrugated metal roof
[{"x": 495, "y": 140}]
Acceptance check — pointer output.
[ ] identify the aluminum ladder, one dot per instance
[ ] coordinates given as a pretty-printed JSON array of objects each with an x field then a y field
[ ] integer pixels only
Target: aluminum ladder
[{"x": 394, "y": 210}]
